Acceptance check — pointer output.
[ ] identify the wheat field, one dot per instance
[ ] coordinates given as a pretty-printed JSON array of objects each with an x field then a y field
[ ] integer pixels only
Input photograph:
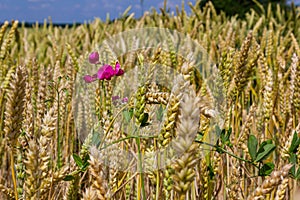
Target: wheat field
[{"x": 209, "y": 108}]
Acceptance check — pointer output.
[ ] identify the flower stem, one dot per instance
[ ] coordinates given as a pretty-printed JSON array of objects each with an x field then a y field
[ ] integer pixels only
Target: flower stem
[
  {"x": 220, "y": 149},
  {"x": 127, "y": 138},
  {"x": 140, "y": 164}
]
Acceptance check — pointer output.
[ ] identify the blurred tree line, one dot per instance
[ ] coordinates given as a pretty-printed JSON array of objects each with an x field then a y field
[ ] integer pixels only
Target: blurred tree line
[{"x": 240, "y": 7}]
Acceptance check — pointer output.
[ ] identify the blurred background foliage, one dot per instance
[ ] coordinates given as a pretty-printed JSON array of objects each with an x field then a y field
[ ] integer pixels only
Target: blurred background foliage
[{"x": 241, "y": 7}]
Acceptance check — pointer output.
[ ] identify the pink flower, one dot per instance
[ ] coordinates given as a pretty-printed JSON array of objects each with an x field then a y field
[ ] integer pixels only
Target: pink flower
[
  {"x": 89, "y": 78},
  {"x": 118, "y": 71},
  {"x": 105, "y": 72},
  {"x": 118, "y": 101},
  {"x": 114, "y": 98},
  {"x": 94, "y": 57},
  {"x": 125, "y": 100}
]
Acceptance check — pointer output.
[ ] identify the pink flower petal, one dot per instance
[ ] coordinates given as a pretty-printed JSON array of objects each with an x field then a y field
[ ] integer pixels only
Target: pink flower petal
[
  {"x": 105, "y": 72},
  {"x": 118, "y": 66},
  {"x": 118, "y": 71},
  {"x": 125, "y": 100},
  {"x": 114, "y": 98},
  {"x": 89, "y": 79},
  {"x": 94, "y": 58}
]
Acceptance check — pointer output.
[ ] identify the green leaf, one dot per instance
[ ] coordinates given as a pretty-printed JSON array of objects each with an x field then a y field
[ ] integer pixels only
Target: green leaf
[
  {"x": 227, "y": 136},
  {"x": 85, "y": 166},
  {"x": 221, "y": 133},
  {"x": 78, "y": 160},
  {"x": 298, "y": 174},
  {"x": 218, "y": 131},
  {"x": 85, "y": 162},
  {"x": 293, "y": 171},
  {"x": 96, "y": 138},
  {"x": 86, "y": 159},
  {"x": 69, "y": 178},
  {"x": 252, "y": 146},
  {"x": 268, "y": 148},
  {"x": 199, "y": 136},
  {"x": 144, "y": 120},
  {"x": 295, "y": 143},
  {"x": 262, "y": 145},
  {"x": 293, "y": 158},
  {"x": 210, "y": 171},
  {"x": 160, "y": 113},
  {"x": 266, "y": 169},
  {"x": 127, "y": 114}
]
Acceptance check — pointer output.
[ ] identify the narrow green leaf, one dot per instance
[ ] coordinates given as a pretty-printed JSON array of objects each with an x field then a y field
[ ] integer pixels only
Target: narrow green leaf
[
  {"x": 127, "y": 114},
  {"x": 131, "y": 112},
  {"x": 262, "y": 146},
  {"x": 222, "y": 134},
  {"x": 266, "y": 169},
  {"x": 210, "y": 171},
  {"x": 68, "y": 178},
  {"x": 144, "y": 120},
  {"x": 298, "y": 173},
  {"x": 85, "y": 166},
  {"x": 293, "y": 171},
  {"x": 295, "y": 143},
  {"x": 77, "y": 160},
  {"x": 227, "y": 136},
  {"x": 252, "y": 146},
  {"x": 199, "y": 136},
  {"x": 293, "y": 158},
  {"x": 96, "y": 138},
  {"x": 86, "y": 159},
  {"x": 268, "y": 148},
  {"x": 160, "y": 113}
]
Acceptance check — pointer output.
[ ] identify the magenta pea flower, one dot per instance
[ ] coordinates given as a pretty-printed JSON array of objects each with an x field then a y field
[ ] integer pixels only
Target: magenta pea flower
[
  {"x": 125, "y": 100},
  {"x": 89, "y": 78},
  {"x": 94, "y": 57},
  {"x": 105, "y": 72},
  {"x": 118, "y": 101},
  {"x": 118, "y": 71},
  {"x": 115, "y": 98}
]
